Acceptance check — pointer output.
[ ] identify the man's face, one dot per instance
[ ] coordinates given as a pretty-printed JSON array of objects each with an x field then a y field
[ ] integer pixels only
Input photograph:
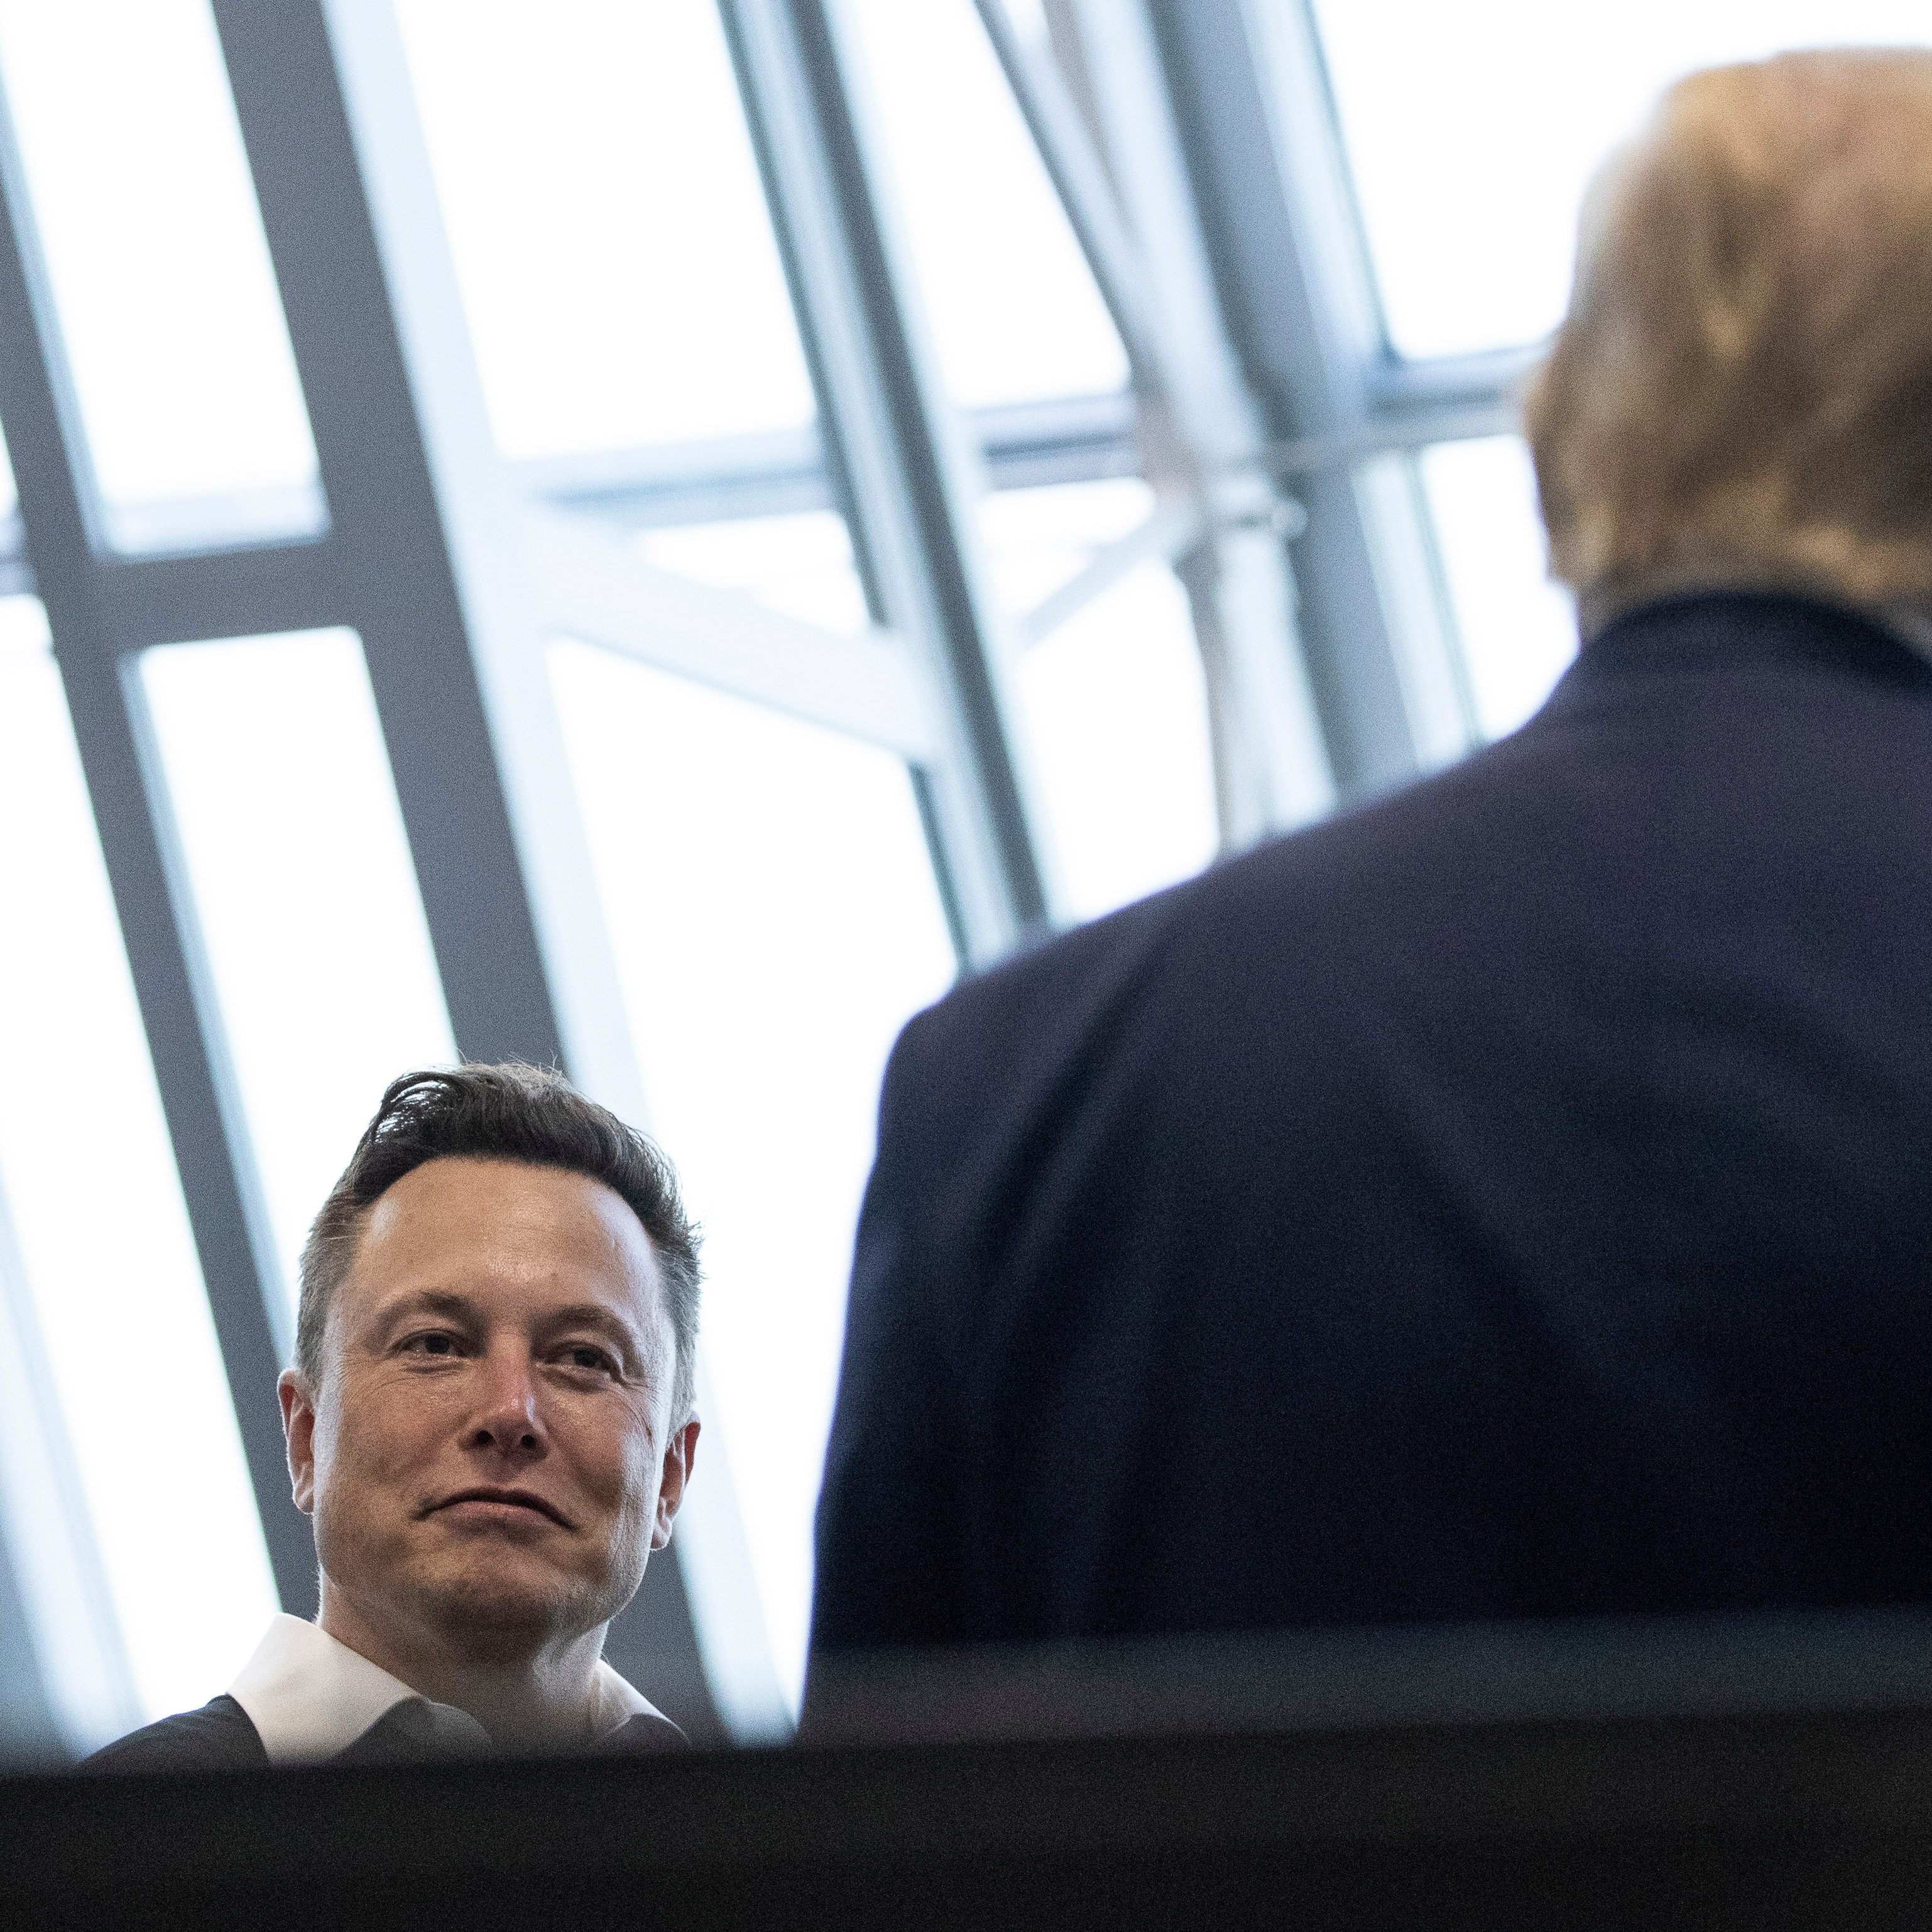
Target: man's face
[{"x": 489, "y": 1459}]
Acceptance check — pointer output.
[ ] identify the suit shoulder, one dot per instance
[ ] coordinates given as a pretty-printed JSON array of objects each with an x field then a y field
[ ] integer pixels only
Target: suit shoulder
[
  {"x": 1106, "y": 953},
  {"x": 220, "y": 1736},
  {"x": 1113, "y": 952},
  {"x": 1301, "y": 902}
]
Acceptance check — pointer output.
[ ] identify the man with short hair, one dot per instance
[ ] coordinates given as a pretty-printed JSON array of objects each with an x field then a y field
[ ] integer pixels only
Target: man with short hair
[
  {"x": 489, "y": 1420},
  {"x": 1514, "y": 1198}
]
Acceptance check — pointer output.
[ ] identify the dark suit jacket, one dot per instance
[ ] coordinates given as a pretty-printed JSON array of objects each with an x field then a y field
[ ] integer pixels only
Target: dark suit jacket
[
  {"x": 220, "y": 1736},
  {"x": 1514, "y": 1198}
]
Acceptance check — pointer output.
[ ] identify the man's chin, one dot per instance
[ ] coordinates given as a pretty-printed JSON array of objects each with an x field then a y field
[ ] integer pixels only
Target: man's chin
[{"x": 498, "y": 1610}]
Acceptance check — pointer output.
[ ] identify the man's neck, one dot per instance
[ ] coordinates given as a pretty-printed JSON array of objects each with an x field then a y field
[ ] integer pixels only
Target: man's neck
[{"x": 547, "y": 1697}]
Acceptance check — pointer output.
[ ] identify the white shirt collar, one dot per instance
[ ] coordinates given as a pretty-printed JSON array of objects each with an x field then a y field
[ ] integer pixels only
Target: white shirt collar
[{"x": 311, "y": 1696}]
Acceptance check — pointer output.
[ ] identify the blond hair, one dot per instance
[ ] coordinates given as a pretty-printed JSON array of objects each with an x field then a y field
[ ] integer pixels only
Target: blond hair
[{"x": 1744, "y": 378}]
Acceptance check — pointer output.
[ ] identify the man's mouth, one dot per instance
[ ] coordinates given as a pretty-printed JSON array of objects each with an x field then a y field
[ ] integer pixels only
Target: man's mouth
[{"x": 523, "y": 1499}]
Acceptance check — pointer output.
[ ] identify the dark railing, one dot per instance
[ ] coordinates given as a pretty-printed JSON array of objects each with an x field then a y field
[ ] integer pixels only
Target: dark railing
[{"x": 1768, "y": 1774}]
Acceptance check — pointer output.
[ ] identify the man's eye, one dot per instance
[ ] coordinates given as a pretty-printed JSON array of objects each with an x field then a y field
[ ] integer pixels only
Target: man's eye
[
  {"x": 584, "y": 1355},
  {"x": 430, "y": 1345}
]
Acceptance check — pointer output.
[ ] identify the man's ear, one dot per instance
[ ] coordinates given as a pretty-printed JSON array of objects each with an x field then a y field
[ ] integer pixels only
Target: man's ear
[
  {"x": 680, "y": 1453},
  {"x": 298, "y": 1432}
]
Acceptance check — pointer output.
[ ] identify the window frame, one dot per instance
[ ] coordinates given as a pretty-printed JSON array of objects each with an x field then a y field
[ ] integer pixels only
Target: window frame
[{"x": 1265, "y": 409}]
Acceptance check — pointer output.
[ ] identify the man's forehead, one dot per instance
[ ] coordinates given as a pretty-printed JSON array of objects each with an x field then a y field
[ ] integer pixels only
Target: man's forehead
[{"x": 505, "y": 1229}]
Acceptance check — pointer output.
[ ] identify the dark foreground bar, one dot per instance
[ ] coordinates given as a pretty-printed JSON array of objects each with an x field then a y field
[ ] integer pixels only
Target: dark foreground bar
[{"x": 1791, "y": 1786}]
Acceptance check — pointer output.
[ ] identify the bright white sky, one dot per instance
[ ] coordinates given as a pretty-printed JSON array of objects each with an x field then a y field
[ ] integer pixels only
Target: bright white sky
[
  {"x": 305, "y": 896},
  {"x": 1473, "y": 129},
  {"x": 609, "y": 227},
  {"x": 167, "y": 302}
]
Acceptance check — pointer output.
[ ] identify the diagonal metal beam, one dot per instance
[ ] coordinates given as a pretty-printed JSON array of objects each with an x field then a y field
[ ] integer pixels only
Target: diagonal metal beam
[
  {"x": 895, "y": 448},
  {"x": 49, "y": 466},
  {"x": 1165, "y": 537},
  {"x": 1252, "y": 104},
  {"x": 1079, "y": 176},
  {"x": 72, "y": 1636},
  {"x": 428, "y": 540},
  {"x": 390, "y": 554},
  {"x": 867, "y": 686},
  {"x": 1203, "y": 432}
]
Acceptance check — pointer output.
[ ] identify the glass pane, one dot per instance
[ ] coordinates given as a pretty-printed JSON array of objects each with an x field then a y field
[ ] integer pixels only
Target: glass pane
[
  {"x": 1014, "y": 313},
  {"x": 801, "y": 565},
  {"x": 610, "y": 231},
  {"x": 1113, "y": 705},
  {"x": 160, "y": 272},
  {"x": 305, "y": 895},
  {"x": 110, "y": 1263},
  {"x": 776, "y": 921},
  {"x": 1518, "y": 630},
  {"x": 1472, "y": 130}
]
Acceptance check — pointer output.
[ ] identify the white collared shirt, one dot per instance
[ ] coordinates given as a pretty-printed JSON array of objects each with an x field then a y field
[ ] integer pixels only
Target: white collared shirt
[{"x": 310, "y": 1697}]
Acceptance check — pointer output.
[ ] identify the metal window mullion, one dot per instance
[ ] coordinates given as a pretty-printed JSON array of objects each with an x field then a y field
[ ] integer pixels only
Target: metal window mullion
[
  {"x": 1253, "y": 117},
  {"x": 429, "y": 546},
  {"x": 78, "y": 1650},
  {"x": 1080, "y": 179},
  {"x": 239, "y": 593},
  {"x": 30, "y": 1724},
  {"x": 157, "y": 923},
  {"x": 894, "y": 450},
  {"x": 1202, "y": 430},
  {"x": 389, "y": 552}
]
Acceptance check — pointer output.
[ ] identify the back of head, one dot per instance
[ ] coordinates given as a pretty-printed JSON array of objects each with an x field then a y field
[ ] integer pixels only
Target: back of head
[{"x": 1744, "y": 382}]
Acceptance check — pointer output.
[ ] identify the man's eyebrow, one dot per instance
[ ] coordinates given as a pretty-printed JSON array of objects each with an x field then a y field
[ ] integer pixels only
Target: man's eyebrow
[
  {"x": 427, "y": 1301},
  {"x": 591, "y": 1315}
]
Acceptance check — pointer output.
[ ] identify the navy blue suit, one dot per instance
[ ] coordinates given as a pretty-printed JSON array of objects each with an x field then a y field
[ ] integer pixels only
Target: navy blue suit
[{"x": 1514, "y": 1197}]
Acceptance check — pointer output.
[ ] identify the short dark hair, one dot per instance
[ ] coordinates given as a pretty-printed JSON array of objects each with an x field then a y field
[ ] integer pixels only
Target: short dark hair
[{"x": 508, "y": 1112}]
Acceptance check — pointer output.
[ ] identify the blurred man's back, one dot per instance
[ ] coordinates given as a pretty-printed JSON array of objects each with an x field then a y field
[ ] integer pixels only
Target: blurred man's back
[{"x": 1516, "y": 1197}]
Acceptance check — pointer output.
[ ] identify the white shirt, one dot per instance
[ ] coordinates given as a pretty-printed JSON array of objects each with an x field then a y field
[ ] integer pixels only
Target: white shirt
[{"x": 311, "y": 1696}]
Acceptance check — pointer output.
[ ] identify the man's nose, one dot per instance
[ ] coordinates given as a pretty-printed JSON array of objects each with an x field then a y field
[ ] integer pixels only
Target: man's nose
[{"x": 507, "y": 1418}]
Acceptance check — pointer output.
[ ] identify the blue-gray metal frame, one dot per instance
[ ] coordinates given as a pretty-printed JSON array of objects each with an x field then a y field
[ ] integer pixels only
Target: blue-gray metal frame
[
  {"x": 52, "y": 473},
  {"x": 27, "y": 1730},
  {"x": 392, "y": 578},
  {"x": 894, "y": 449},
  {"x": 69, "y": 1641},
  {"x": 1279, "y": 221},
  {"x": 390, "y": 563},
  {"x": 1203, "y": 436},
  {"x": 1067, "y": 440},
  {"x": 1280, "y": 317}
]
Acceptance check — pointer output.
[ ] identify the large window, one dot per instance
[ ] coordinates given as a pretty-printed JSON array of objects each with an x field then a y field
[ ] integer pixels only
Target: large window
[
  {"x": 621, "y": 285},
  {"x": 654, "y": 539},
  {"x": 1439, "y": 107},
  {"x": 195, "y": 428},
  {"x": 122, "y": 1472},
  {"x": 298, "y": 872},
  {"x": 1470, "y": 135}
]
